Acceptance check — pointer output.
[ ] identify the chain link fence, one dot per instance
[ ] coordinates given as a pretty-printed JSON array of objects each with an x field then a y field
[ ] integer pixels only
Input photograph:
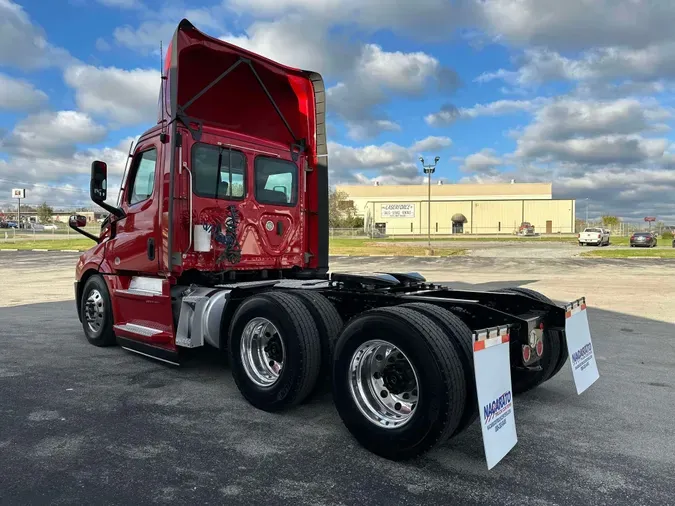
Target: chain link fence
[{"x": 45, "y": 233}]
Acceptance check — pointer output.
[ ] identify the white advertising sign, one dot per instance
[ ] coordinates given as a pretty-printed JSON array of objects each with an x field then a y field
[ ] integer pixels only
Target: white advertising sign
[
  {"x": 495, "y": 396},
  {"x": 18, "y": 193},
  {"x": 397, "y": 210},
  {"x": 580, "y": 347}
]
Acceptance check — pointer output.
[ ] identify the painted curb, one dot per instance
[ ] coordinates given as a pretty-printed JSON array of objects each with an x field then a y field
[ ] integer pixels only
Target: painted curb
[{"x": 9, "y": 250}]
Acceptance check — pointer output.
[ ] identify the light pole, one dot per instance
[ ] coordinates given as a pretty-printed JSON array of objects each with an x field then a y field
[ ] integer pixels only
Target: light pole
[
  {"x": 429, "y": 169},
  {"x": 586, "y": 212}
]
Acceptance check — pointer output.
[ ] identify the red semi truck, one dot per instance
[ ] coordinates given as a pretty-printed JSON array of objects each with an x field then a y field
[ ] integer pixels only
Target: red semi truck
[{"x": 220, "y": 239}]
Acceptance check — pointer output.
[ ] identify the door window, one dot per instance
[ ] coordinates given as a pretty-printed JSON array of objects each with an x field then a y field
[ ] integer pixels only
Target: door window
[
  {"x": 144, "y": 178},
  {"x": 228, "y": 183},
  {"x": 276, "y": 181}
]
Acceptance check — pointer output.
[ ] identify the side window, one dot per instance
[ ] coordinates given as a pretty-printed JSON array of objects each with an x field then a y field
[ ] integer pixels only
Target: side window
[
  {"x": 227, "y": 184},
  {"x": 144, "y": 177},
  {"x": 276, "y": 181}
]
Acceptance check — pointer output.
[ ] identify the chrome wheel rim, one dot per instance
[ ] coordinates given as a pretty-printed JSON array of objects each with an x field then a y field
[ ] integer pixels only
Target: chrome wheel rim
[
  {"x": 262, "y": 352},
  {"x": 383, "y": 384},
  {"x": 94, "y": 311}
]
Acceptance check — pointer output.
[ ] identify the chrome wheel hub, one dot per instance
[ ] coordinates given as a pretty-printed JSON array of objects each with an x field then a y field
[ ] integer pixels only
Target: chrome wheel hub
[
  {"x": 94, "y": 311},
  {"x": 383, "y": 384},
  {"x": 262, "y": 352}
]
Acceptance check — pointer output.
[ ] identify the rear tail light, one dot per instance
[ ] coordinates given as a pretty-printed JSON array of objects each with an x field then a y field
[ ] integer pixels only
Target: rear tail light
[{"x": 598, "y": 236}]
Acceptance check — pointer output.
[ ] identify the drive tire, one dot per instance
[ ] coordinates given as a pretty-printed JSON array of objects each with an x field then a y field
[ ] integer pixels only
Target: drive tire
[
  {"x": 302, "y": 353},
  {"x": 102, "y": 333},
  {"x": 440, "y": 374},
  {"x": 328, "y": 323},
  {"x": 551, "y": 362},
  {"x": 461, "y": 338}
]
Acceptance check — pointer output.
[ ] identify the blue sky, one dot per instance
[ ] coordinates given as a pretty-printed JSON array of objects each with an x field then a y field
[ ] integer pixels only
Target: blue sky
[{"x": 577, "y": 93}]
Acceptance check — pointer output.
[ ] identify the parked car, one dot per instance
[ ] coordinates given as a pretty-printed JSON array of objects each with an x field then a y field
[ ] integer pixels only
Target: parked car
[
  {"x": 50, "y": 226},
  {"x": 526, "y": 228},
  {"x": 596, "y": 235},
  {"x": 12, "y": 224},
  {"x": 643, "y": 239}
]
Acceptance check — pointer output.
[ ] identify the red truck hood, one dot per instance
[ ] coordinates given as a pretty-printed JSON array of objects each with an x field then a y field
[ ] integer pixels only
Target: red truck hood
[{"x": 254, "y": 95}]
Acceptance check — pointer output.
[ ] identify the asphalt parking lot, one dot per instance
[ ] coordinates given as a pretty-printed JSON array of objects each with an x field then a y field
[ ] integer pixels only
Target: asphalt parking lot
[{"x": 80, "y": 424}]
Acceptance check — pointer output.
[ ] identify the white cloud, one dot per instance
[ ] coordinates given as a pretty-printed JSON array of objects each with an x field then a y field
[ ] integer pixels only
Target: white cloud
[
  {"x": 375, "y": 78},
  {"x": 423, "y": 18},
  {"x": 52, "y": 134},
  {"x": 483, "y": 162},
  {"x": 147, "y": 37},
  {"x": 20, "y": 95},
  {"x": 431, "y": 143},
  {"x": 389, "y": 162},
  {"x": 580, "y": 24},
  {"x": 448, "y": 113},
  {"x": 569, "y": 118},
  {"x": 63, "y": 181},
  {"x": 24, "y": 45},
  {"x": 159, "y": 25},
  {"x": 125, "y": 96},
  {"x": 541, "y": 65},
  {"x": 602, "y": 150},
  {"x": 102, "y": 44},
  {"x": 122, "y": 4}
]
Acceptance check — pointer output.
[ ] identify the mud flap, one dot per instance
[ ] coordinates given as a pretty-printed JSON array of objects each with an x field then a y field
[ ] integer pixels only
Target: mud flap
[
  {"x": 493, "y": 387},
  {"x": 579, "y": 345}
]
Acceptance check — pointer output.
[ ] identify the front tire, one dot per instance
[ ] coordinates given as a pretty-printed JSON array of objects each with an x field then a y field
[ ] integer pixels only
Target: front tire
[
  {"x": 398, "y": 383},
  {"x": 96, "y": 311},
  {"x": 274, "y": 350}
]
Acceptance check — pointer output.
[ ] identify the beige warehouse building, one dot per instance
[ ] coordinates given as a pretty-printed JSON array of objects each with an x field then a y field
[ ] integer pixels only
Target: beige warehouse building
[{"x": 461, "y": 208}]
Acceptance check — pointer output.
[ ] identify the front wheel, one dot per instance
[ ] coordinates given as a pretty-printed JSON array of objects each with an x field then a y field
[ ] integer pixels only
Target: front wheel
[
  {"x": 96, "y": 311},
  {"x": 398, "y": 382}
]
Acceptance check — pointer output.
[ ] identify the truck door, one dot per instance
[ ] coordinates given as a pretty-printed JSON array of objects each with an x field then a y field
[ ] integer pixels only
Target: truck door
[
  {"x": 134, "y": 247},
  {"x": 276, "y": 190}
]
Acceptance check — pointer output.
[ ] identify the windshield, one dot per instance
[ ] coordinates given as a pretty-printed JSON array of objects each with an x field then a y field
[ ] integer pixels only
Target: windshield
[{"x": 593, "y": 230}]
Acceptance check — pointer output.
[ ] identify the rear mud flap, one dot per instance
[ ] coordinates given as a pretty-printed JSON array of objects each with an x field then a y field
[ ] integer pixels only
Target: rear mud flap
[
  {"x": 493, "y": 387},
  {"x": 579, "y": 345}
]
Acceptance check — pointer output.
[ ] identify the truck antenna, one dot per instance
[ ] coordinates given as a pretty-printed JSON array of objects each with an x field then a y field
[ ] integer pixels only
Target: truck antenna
[{"x": 162, "y": 85}]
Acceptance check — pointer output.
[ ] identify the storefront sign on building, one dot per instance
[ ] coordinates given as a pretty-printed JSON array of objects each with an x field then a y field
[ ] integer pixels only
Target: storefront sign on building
[{"x": 397, "y": 211}]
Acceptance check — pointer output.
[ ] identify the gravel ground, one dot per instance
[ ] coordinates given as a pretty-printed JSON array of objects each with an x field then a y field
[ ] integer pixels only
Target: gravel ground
[{"x": 82, "y": 424}]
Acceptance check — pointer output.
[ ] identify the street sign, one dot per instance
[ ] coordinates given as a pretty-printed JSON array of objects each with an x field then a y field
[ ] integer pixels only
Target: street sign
[
  {"x": 650, "y": 218},
  {"x": 18, "y": 193}
]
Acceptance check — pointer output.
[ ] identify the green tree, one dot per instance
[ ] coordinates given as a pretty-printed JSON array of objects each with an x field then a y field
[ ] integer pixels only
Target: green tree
[
  {"x": 579, "y": 225},
  {"x": 44, "y": 213},
  {"x": 342, "y": 211},
  {"x": 610, "y": 221}
]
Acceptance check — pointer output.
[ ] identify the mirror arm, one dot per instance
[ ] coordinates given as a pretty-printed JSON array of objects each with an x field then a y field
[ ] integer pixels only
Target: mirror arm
[
  {"x": 115, "y": 211},
  {"x": 85, "y": 233}
]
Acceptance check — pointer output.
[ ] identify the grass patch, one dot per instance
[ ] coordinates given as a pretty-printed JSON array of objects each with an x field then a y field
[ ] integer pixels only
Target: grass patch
[
  {"x": 658, "y": 252},
  {"x": 51, "y": 245},
  {"x": 365, "y": 247},
  {"x": 361, "y": 247},
  {"x": 394, "y": 251}
]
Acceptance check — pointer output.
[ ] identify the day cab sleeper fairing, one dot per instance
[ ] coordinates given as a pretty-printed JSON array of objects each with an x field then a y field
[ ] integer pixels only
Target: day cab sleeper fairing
[{"x": 221, "y": 95}]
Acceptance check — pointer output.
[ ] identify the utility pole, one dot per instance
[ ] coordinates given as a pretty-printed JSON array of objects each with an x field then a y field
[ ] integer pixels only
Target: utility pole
[
  {"x": 586, "y": 212},
  {"x": 429, "y": 169}
]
